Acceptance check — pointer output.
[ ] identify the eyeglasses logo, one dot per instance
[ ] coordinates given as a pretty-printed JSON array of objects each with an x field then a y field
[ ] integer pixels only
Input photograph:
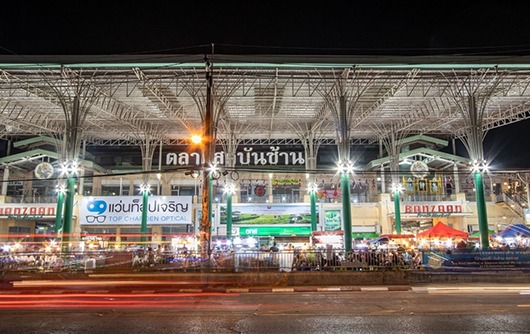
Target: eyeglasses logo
[{"x": 93, "y": 219}]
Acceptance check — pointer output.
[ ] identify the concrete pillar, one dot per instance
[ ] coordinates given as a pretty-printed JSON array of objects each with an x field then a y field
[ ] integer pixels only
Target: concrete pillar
[
  {"x": 96, "y": 185},
  {"x": 5, "y": 178}
]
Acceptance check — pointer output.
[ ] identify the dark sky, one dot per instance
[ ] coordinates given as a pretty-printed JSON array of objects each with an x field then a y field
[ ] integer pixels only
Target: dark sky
[
  {"x": 351, "y": 27},
  {"x": 282, "y": 27}
]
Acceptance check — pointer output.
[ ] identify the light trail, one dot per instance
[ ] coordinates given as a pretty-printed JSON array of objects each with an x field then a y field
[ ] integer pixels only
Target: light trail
[
  {"x": 118, "y": 295},
  {"x": 63, "y": 283},
  {"x": 455, "y": 289},
  {"x": 188, "y": 301}
]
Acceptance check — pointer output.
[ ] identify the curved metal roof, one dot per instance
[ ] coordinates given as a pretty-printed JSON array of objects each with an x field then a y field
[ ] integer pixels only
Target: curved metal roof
[{"x": 261, "y": 99}]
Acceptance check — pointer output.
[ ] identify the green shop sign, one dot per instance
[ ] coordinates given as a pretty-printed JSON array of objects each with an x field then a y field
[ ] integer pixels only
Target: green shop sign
[{"x": 300, "y": 231}]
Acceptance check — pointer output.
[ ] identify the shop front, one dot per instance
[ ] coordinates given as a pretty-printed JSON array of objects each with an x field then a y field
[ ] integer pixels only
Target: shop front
[
  {"x": 418, "y": 216},
  {"x": 27, "y": 223},
  {"x": 117, "y": 220},
  {"x": 264, "y": 237}
]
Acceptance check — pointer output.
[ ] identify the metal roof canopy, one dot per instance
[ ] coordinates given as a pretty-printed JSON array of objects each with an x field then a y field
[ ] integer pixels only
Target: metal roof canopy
[{"x": 268, "y": 99}]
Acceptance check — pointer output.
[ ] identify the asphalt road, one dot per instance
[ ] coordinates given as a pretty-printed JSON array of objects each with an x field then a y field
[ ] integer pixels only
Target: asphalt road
[{"x": 419, "y": 309}]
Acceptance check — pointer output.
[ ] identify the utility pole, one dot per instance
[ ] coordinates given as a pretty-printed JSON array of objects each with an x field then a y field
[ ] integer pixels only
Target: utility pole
[{"x": 208, "y": 141}]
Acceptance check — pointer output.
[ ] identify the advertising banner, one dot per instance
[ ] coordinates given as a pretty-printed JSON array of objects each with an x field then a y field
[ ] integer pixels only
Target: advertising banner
[
  {"x": 332, "y": 220},
  {"x": 27, "y": 211},
  {"x": 475, "y": 258},
  {"x": 127, "y": 210},
  {"x": 268, "y": 214},
  {"x": 288, "y": 231}
]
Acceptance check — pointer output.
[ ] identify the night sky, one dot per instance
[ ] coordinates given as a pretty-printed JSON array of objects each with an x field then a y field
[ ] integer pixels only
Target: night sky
[
  {"x": 349, "y": 27},
  {"x": 280, "y": 27}
]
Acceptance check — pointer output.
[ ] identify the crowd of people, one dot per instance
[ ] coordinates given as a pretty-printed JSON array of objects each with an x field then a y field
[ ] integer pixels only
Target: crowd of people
[
  {"x": 276, "y": 257},
  {"x": 363, "y": 259},
  {"x": 285, "y": 259}
]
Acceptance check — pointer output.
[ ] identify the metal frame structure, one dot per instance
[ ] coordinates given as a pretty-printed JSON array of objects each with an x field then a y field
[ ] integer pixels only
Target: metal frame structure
[{"x": 264, "y": 100}]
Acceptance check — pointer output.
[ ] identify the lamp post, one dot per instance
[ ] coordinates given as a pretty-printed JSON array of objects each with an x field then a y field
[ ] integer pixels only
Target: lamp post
[
  {"x": 229, "y": 190},
  {"x": 479, "y": 168},
  {"x": 60, "y": 189},
  {"x": 144, "y": 190},
  {"x": 69, "y": 169},
  {"x": 397, "y": 189},
  {"x": 345, "y": 170},
  {"x": 210, "y": 196},
  {"x": 312, "y": 189},
  {"x": 208, "y": 139}
]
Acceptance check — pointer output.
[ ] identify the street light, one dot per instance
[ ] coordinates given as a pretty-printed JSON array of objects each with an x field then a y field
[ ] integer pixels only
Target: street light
[
  {"x": 60, "y": 189},
  {"x": 196, "y": 139},
  {"x": 69, "y": 169},
  {"x": 230, "y": 190},
  {"x": 144, "y": 190},
  {"x": 479, "y": 167},
  {"x": 397, "y": 190},
  {"x": 346, "y": 168},
  {"x": 312, "y": 189}
]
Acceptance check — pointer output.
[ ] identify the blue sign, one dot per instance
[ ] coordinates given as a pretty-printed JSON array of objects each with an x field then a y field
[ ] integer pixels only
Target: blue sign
[
  {"x": 98, "y": 206},
  {"x": 471, "y": 258}
]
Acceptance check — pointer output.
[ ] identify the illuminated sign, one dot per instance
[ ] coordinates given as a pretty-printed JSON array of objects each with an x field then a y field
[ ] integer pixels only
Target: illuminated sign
[
  {"x": 27, "y": 211},
  {"x": 127, "y": 210},
  {"x": 268, "y": 214},
  {"x": 247, "y": 157},
  {"x": 433, "y": 208},
  {"x": 287, "y": 231},
  {"x": 436, "y": 209}
]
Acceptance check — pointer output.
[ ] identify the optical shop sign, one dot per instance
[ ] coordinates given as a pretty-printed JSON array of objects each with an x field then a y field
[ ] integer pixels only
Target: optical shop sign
[{"x": 115, "y": 210}]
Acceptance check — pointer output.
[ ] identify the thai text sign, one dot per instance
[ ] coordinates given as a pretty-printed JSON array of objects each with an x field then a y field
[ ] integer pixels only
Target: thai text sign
[
  {"x": 474, "y": 258},
  {"x": 245, "y": 158},
  {"x": 127, "y": 210}
]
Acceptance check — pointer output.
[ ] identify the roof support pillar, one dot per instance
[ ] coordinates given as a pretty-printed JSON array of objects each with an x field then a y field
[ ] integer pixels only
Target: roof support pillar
[{"x": 344, "y": 158}]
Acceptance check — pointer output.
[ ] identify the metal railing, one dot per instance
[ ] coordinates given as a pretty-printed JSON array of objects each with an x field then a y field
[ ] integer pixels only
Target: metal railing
[
  {"x": 219, "y": 261},
  {"x": 512, "y": 204}
]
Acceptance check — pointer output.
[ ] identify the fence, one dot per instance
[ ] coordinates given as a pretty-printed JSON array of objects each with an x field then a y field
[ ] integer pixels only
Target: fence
[{"x": 220, "y": 261}]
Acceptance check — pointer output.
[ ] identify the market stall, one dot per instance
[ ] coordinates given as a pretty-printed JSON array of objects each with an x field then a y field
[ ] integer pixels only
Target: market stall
[
  {"x": 441, "y": 236},
  {"x": 516, "y": 235}
]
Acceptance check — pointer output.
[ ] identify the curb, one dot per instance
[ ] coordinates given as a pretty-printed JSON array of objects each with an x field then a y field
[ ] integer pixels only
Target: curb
[{"x": 219, "y": 290}]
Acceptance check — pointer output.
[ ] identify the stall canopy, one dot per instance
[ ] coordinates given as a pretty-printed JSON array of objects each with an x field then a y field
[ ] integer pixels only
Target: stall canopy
[
  {"x": 476, "y": 234},
  {"x": 380, "y": 240},
  {"x": 440, "y": 230},
  {"x": 385, "y": 238},
  {"x": 513, "y": 231}
]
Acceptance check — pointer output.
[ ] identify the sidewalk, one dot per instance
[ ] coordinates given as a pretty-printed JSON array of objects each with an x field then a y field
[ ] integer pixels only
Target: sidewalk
[{"x": 297, "y": 279}]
